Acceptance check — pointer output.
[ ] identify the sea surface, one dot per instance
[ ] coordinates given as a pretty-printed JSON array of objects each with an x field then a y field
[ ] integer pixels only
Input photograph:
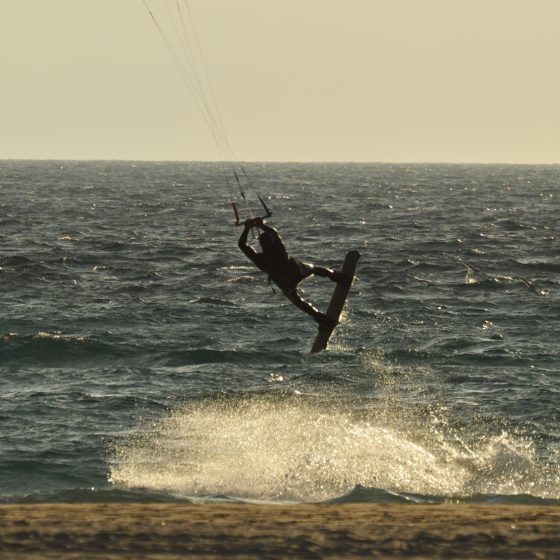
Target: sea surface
[{"x": 144, "y": 358}]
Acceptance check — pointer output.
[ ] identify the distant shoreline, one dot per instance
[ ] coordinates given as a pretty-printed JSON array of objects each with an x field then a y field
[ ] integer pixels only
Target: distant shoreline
[{"x": 116, "y": 531}]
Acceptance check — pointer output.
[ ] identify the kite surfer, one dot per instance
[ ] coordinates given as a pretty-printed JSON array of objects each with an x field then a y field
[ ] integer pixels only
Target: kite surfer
[{"x": 285, "y": 271}]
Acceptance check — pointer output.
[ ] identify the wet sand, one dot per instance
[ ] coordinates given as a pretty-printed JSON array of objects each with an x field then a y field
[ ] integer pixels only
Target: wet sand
[{"x": 172, "y": 531}]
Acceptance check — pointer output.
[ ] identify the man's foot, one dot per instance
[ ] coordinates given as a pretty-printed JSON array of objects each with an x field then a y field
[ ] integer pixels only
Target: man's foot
[
  {"x": 325, "y": 322},
  {"x": 342, "y": 278}
]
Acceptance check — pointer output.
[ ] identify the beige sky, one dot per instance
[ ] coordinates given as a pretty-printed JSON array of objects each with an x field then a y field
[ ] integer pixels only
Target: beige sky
[{"x": 295, "y": 80}]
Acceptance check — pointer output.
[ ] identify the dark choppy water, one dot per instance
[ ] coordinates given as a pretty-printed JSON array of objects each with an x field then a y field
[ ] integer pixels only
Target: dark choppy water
[{"x": 143, "y": 358}]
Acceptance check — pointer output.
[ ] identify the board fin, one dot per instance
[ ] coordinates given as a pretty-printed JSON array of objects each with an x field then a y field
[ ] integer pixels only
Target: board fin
[{"x": 337, "y": 302}]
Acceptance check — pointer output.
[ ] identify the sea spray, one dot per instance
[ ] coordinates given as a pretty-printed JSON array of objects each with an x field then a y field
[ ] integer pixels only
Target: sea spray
[
  {"x": 267, "y": 448},
  {"x": 307, "y": 447},
  {"x": 298, "y": 449}
]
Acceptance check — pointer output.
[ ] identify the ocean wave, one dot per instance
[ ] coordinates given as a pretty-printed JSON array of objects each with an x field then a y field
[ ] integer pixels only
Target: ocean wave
[
  {"x": 205, "y": 300},
  {"x": 22, "y": 267},
  {"x": 48, "y": 347},
  {"x": 544, "y": 266},
  {"x": 15, "y": 260},
  {"x": 361, "y": 494},
  {"x": 93, "y": 496},
  {"x": 497, "y": 283},
  {"x": 509, "y": 224},
  {"x": 215, "y": 356},
  {"x": 358, "y": 495}
]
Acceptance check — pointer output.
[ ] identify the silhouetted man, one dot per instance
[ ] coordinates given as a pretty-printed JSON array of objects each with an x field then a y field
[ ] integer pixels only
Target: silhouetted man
[{"x": 285, "y": 271}]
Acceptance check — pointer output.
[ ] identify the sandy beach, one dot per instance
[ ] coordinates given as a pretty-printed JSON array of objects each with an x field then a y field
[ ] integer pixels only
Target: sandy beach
[{"x": 116, "y": 531}]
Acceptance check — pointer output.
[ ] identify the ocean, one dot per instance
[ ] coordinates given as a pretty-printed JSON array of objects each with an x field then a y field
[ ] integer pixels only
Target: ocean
[{"x": 144, "y": 358}]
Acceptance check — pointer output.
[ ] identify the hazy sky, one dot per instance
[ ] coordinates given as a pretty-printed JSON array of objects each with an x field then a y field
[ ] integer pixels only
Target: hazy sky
[{"x": 295, "y": 80}]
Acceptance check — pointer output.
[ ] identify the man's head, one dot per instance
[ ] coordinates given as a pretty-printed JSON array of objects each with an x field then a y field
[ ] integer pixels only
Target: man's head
[{"x": 266, "y": 239}]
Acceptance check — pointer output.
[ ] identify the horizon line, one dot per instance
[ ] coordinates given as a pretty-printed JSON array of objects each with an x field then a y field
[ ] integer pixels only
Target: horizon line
[{"x": 287, "y": 161}]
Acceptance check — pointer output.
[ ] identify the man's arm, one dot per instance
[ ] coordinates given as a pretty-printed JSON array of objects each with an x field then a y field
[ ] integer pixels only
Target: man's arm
[{"x": 242, "y": 243}]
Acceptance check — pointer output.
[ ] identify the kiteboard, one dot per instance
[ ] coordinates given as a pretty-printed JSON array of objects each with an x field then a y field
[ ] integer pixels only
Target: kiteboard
[{"x": 337, "y": 302}]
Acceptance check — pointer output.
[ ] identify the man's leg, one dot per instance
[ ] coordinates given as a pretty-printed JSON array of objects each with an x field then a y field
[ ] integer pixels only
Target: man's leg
[
  {"x": 318, "y": 317},
  {"x": 333, "y": 275}
]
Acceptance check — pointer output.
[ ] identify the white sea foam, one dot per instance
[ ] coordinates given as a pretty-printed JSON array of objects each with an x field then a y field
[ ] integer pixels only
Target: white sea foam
[{"x": 265, "y": 448}]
